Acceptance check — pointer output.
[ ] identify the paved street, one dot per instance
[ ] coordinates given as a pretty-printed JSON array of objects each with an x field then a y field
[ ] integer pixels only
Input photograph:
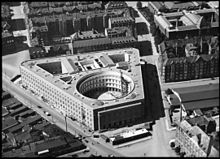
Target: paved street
[{"x": 158, "y": 146}]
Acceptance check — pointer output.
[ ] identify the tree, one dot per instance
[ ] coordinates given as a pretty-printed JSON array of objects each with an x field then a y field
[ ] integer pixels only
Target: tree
[
  {"x": 169, "y": 91},
  {"x": 172, "y": 144},
  {"x": 139, "y": 5},
  {"x": 177, "y": 149}
]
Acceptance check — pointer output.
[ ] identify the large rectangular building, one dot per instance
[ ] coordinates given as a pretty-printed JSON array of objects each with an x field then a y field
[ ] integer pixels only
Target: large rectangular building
[{"x": 92, "y": 89}]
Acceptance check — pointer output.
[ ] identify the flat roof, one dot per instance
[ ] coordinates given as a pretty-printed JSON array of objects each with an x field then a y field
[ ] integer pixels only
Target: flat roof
[
  {"x": 132, "y": 57},
  {"x": 15, "y": 128}
]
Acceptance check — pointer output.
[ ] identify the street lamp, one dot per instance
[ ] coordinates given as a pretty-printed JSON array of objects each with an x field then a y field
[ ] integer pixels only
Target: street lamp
[{"x": 66, "y": 122}]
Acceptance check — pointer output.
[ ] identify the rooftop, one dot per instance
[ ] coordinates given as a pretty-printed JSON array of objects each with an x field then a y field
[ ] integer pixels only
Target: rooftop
[
  {"x": 8, "y": 123},
  {"x": 44, "y": 69},
  {"x": 91, "y": 42},
  {"x": 4, "y": 111}
]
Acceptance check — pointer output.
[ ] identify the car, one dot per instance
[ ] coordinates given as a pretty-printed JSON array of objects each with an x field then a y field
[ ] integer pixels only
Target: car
[
  {"x": 86, "y": 141},
  {"x": 39, "y": 107}
]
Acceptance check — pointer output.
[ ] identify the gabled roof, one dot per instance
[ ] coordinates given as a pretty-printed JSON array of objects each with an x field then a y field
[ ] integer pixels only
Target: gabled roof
[{"x": 196, "y": 93}]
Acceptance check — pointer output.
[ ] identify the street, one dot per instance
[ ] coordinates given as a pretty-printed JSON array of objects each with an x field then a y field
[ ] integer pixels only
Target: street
[{"x": 142, "y": 19}]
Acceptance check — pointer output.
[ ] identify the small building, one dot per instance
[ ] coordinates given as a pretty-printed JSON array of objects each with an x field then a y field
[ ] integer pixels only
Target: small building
[{"x": 5, "y": 95}]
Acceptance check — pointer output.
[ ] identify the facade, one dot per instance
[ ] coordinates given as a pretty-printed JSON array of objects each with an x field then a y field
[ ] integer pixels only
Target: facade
[
  {"x": 189, "y": 68},
  {"x": 91, "y": 89}
]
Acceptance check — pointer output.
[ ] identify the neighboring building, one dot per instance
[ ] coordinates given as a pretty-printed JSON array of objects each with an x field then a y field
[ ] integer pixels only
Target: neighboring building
[
  {"x": 8, "y": 122},
  {"x": 5, "y": 11},
  {"x": 189, "y": 68},
  {"x": 179, "y": 25},
  {"x": 194, "y": 142},
  {"x": 175, "y": 6},
  {"x": 90, "y": 88}
]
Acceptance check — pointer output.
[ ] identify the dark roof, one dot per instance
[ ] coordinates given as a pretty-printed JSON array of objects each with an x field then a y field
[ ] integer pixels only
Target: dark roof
[
  {"x": 26, "y": 112},
  {"x": 23, "y": 136},
  {"x": 199, "y": 120},
  {"x": 122, "y": 19},
  {"x": 4, "y": 111},
  {"x": 5, "y": 11},
  {"x": 8, "y": 122},
  {"x": 91, "y": 42},
  {"x": 8, "y": 102},
  {"x": 15, "y": 128},
  {"x": 30, "y": 120},
  {"x": 123, "y": 40},
  {"x": 20, "y": 109},
  {"x": 174, "y": 100},
  {"x": 193, "y": 93},
  {"x": 209, "y": 103},
  {"x": 116, "y": 4},
  {"x": 49, "y": 144},
  {"x": 158, "y": 5},
  {"x": 15, "y": 105},
  {"x": 106, "y": 60}
]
